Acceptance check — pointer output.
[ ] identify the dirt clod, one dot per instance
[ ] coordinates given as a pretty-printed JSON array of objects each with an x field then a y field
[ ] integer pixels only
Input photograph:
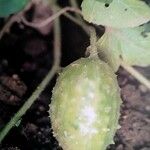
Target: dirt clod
[{"x": 11, "y": 89}]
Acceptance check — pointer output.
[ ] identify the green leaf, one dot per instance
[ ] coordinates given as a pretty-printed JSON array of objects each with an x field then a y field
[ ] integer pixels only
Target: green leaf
[
  {"x": 130, "y": 44},
  {"x": 116, "y": 13},
  {"x": 8, "y": 7}
]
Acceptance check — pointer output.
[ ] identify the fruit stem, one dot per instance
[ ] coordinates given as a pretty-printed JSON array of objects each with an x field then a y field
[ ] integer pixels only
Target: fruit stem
[{"x": 93, "y": 43}]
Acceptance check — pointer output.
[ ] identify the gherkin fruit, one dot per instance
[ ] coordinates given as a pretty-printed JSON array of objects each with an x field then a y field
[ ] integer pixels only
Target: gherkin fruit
[{"x": 85, "y": 105}]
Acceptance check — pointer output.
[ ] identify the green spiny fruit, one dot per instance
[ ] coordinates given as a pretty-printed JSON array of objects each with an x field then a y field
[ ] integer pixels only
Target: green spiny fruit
[{"x": 85, "y": 105}]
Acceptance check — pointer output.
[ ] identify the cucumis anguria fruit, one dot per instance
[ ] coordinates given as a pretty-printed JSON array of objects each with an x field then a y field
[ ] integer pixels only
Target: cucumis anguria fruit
[{"x": 85, "y": 105}]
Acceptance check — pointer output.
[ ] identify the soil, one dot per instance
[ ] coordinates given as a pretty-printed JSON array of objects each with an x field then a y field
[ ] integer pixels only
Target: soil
[{"x": 26, "y": 55}]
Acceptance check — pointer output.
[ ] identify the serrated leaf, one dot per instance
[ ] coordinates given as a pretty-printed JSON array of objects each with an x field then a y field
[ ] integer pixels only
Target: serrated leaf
[
  {"x": 131, "y": 44},
  {"x": 116, "y": 13},
  {"x": 8, "y": 7}
]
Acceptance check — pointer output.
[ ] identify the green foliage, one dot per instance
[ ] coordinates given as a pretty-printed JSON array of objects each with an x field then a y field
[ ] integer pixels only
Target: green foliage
[
  {"x": 127, "y": 33},
  {"x": 85, "y": 105},
  {"x": 131, "y": 44},
  {"x": 8, "y": 7},
  {"x": 116, "y": 13}
]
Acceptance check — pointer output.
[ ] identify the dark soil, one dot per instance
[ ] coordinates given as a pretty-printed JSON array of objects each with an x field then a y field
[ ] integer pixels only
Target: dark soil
[{"x": 26, "y": 55}]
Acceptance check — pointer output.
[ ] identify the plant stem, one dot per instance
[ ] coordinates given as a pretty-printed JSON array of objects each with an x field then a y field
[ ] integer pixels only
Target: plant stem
[
  {"x": 83, "y": 25},
  {"x": 75, "y": 5},
  {"x": 136, "y": 74},
  {"x": 51, "y": 18},
  {"x": 14, "y": 18},
  {"x": 43, "y": 84}
]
